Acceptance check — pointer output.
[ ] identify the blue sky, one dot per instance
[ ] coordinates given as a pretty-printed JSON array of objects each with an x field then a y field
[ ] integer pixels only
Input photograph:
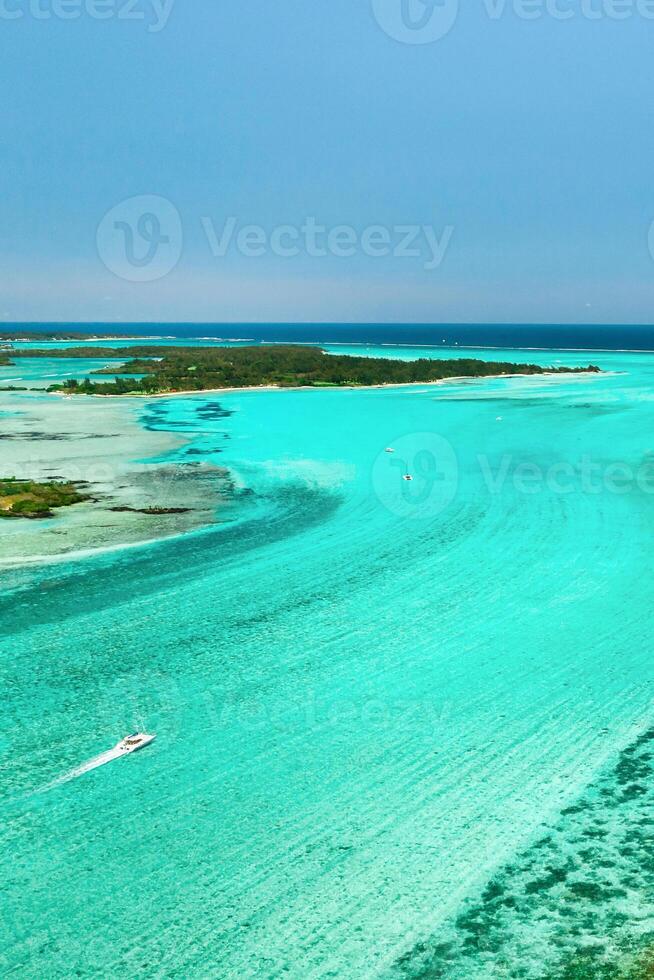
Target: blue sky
[{"x": 522, "y": 146}]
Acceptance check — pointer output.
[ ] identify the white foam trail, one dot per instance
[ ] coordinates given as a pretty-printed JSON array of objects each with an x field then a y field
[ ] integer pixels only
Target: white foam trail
[{"x": 94, "y": 763}]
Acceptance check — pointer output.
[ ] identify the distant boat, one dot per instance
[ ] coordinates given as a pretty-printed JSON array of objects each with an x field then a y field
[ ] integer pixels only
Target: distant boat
[
  {"x": 389, "y": 450},
  {"x": 134, "y": 742},
  {"x": 407, "y": 477},
  {"x": 499, "y": 418}
]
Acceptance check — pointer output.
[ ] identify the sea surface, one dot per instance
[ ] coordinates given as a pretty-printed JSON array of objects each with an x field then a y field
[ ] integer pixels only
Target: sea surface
[{"x": 404, "y": 727}]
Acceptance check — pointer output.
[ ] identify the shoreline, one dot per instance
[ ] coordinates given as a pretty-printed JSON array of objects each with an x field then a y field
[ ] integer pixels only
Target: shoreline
[
  {"x": 394, "y": 384},
  {"x": 117, "y": 462},
  {"x": 90, "y": 528},
  {"x": 220, "y": 341}
]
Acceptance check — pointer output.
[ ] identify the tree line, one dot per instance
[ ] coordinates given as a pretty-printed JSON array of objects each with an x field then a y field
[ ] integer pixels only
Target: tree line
[{"x": 160, "y": 370}]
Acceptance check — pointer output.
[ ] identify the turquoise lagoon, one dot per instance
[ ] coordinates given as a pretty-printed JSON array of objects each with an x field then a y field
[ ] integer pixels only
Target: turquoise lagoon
[{"x": 403, "y": 728}]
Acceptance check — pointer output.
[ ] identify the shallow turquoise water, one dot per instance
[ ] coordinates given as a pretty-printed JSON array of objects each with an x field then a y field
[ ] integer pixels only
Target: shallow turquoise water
[
  {"x": 44, "y": 371},
  {"x": 371, "y": 696}
]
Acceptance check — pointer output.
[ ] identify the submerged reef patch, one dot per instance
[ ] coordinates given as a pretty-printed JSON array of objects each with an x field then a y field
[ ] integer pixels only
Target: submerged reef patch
[{"x": 576, "y": 905}]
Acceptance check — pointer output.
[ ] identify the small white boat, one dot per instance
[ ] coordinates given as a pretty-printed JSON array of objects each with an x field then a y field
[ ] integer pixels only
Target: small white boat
[
  {"x": 389, "y": 450},
  {"x": 407, "y": 477},
  {"x": 134, "y": 742}
]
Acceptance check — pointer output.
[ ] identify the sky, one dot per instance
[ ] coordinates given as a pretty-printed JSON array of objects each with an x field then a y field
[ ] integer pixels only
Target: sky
[{"x": 342, "y": 160}]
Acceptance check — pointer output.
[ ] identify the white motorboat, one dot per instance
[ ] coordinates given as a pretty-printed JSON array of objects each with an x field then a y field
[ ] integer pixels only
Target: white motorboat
[
  {"x": 389, "y": 450},
  {"x": 134, "y": 742},
  {"x": 407, "y": 477}
]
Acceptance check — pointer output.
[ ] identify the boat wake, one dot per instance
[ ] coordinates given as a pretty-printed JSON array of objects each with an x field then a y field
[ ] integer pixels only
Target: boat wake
[
  {"x": 95, "y": 763},
  {"x": 126, "y": 747}
]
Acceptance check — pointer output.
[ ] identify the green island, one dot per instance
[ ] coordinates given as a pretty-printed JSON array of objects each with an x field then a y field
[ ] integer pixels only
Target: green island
[
  {"x": 157, "y": 370},
  {"x": 35, "y": 336},
  {"x": 9, "y": 337},
  {"x": 27, "y": 498}
]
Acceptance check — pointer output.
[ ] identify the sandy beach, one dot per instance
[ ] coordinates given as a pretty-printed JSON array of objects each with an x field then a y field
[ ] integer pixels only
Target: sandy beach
[
  {"x": 110, "y": 452},
  {"x": 404, "y": 384}
]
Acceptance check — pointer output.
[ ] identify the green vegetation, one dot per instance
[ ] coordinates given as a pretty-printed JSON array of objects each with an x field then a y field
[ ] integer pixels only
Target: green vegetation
[
  {"x": 590, "y": 963},
  {"x": 205, "y": 368},
  {"x": 97, "y": 353},
  {"x": 9, "y": 336},
  {"x": 150, "y": 511},
  {"x": 49, "y": 335},
  {"x": 26, "y": 498}
]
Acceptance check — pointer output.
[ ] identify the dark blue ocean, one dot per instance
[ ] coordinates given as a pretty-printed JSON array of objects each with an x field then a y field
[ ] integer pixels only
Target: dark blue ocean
[{"x": 554, "y": 336}]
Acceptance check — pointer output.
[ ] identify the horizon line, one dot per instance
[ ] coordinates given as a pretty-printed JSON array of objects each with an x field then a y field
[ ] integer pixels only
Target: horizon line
[{"x": 317, "y": 323}]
